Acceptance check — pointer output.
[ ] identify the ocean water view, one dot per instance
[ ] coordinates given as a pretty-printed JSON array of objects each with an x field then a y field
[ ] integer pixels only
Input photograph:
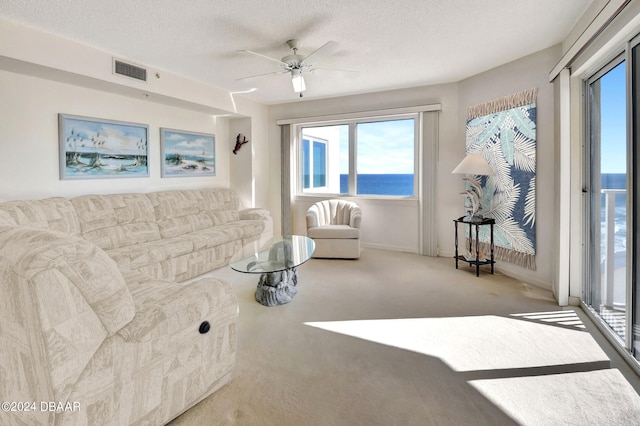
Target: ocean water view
[
  {"x": 615, "y": 181},
  {"x": 380, "y": 184}
]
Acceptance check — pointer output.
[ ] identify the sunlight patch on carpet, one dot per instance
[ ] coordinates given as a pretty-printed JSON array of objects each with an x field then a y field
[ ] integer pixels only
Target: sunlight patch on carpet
[
  {"x": 602, "y": 397},
  {"x": 555, "y": 317},
  {"x": 478, "y": 342}
]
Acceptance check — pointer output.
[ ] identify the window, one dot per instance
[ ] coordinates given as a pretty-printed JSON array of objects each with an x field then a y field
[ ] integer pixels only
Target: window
[
  {"x": 366, "y": 157},
  {"x": 611, "y": 291},
  {"x": 385, "y": 159},
  {"x": 321, "y": 148},
  {"x": 314, "y": 162},
  {"x": 608, "y": 196}
]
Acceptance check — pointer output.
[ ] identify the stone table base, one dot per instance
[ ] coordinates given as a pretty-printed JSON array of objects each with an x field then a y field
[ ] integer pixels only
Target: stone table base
[{"x": 277, "y": 288}]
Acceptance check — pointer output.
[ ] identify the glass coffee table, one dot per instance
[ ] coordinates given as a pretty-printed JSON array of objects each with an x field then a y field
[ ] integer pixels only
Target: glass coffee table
[{"x": 278, "y": 266}]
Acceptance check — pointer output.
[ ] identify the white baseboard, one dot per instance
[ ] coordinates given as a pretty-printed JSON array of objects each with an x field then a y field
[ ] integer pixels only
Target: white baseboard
[{"x": 388, "y": 247}]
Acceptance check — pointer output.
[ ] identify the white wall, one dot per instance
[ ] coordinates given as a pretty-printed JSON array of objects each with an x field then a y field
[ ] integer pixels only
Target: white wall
[
  {"x": 41, "y": 76},
  {"x": 251, "y": 174},
  {"x": 241, "y": 162},
  {"x": 29, "y": 165},
  {"x": 395, "y": 226},
  {"x": 525, "y": 73}
]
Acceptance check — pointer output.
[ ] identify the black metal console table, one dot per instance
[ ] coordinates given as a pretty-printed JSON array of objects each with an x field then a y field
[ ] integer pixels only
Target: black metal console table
[{"x": 470, "y": 258}]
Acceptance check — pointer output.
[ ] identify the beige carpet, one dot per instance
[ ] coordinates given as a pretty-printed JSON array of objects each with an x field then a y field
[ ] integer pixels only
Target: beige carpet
[{"x": 400, "y": 339}]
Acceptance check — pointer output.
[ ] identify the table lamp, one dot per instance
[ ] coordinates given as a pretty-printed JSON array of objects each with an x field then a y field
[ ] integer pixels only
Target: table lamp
[{"x": 473, "y": 164}]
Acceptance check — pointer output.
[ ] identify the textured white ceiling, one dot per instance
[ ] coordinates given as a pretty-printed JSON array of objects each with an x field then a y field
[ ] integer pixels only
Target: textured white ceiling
[{"x": 393, "y": 44}]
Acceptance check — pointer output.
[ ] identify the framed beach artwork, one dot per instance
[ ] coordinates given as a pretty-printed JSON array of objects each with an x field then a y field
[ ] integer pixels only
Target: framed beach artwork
[
  {"x": 92, "y": 148},
  {"x": 187, "y": 153}
]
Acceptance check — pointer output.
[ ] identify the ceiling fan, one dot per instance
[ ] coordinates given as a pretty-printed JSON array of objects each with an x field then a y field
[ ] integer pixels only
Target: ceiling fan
[{"x": 296, "y": 64}]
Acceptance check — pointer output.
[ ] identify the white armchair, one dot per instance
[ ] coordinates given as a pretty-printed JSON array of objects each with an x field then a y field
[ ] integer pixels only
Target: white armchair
[{"x": 334, "y": 225}]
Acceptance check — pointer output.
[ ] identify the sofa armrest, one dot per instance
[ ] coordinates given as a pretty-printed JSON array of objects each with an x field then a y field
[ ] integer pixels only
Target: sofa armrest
[
  {"x": 254, "y": 214},
  {"x": 313, "y": 219},
  {"x": 355, "y": 217},
  {"x": 262, "y": 215}
]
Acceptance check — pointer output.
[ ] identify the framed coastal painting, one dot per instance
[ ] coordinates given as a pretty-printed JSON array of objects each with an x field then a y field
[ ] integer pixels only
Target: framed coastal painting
[
  {"x": 92, "y": 148},
  {"x": 187, "y": 153}
]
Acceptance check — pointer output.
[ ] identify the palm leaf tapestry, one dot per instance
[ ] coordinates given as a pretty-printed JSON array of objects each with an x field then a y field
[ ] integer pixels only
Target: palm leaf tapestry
[{"x": 504, "y": 131}]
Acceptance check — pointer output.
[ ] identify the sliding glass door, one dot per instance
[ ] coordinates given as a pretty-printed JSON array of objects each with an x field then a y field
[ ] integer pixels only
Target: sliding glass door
[
  {"x": 634, "y": 214},
  {"x": 611, "y": 165}
]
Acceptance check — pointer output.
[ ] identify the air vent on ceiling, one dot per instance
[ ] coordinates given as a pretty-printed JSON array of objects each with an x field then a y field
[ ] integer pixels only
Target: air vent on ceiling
[{"x": 129, "y": 70}]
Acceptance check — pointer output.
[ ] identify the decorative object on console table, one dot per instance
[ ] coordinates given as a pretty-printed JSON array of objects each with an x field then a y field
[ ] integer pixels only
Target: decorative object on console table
[
  {"x": 504, "y": 130},
  {"x": 187, "y": 153},
  {"x": 92, "y": 148},
  {"x": 475, "y": 256},
  {"x": 473, "y": 164},
  {"x": 239, "y": 143}
]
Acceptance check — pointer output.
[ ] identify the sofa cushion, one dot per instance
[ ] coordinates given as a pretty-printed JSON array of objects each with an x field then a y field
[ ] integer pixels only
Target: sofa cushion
[
  {"x": 247, "y": 228},
  {"x": 222, "y": 205},
  {"x": 145, "y": 254},
  {"x": 241, "y": 230},
  {"x": 214, "y": 236},
  {"x": 172, "y": 204},
  {"x": 180, "y": 212},
  {"x": 177, "y": 226},
  {"x": 256, "y": 213},
  {"x": 6, "y": 219},
  {"x": 72, "y": 294},
  {"x": 56, "y": 214},
  {"x": 63, "y": 258},
  {"x": 190, "y": 265},
  {"x": 333, "y": 231},
  {"x": 116, "y": 220},
  {"x": 164, "y": 308}
]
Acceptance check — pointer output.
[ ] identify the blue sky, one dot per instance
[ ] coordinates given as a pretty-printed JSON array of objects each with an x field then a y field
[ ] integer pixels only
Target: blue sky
[
  {"x": 613, "y": 121},
  {"x": 384, "y": 147}
]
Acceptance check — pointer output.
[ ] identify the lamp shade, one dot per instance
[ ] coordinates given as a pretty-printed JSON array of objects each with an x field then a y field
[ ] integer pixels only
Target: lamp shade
[
  {"x": 298, "y": 81},
  {"x": 473, "y": 164}
]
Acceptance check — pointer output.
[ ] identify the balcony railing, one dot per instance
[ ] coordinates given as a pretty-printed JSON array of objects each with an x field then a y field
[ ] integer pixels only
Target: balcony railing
[{"x": 609, "y": 266}]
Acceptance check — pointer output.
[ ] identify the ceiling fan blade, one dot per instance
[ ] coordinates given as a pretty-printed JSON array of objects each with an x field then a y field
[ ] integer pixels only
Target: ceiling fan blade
[
  {"x": 278, "y": 61},
  {"x": 322, "y": 52},
  {"x": 262, "y": 75}
]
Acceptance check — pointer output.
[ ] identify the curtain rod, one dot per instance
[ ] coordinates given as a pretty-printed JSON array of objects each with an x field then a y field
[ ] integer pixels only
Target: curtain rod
[{"x": 361, "y": 114}]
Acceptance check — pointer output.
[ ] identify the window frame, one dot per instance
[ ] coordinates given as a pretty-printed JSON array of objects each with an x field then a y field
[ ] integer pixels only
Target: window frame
[
  {"x": 312, "y": 141},
  {"x": 352, "y": 124}
]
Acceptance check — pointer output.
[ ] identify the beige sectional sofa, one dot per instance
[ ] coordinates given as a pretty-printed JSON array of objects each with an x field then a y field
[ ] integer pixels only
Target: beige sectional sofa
[{"x": 95, "y": 327}]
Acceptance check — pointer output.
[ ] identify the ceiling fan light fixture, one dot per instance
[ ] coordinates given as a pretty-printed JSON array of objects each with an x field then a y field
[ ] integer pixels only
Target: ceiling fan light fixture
[
  {"x": 298, "y": 81},
  {"x": 296, "y": 64}
]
